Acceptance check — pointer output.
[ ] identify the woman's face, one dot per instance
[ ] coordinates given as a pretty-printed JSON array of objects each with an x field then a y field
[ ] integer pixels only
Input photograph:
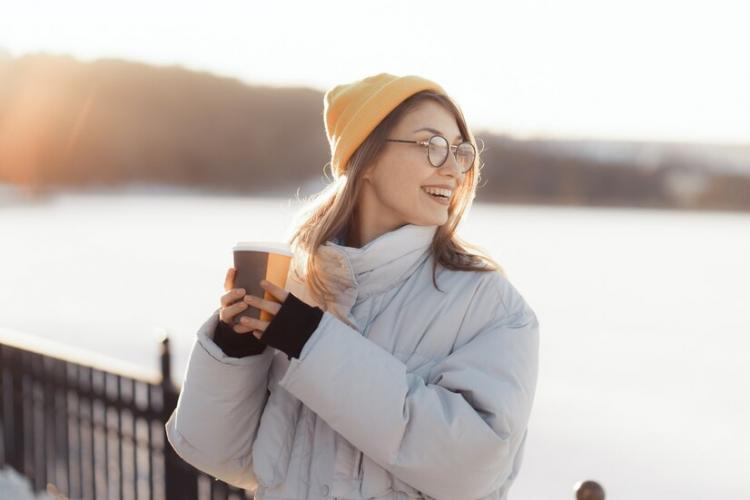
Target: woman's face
[{"x": 393, "y": 192}]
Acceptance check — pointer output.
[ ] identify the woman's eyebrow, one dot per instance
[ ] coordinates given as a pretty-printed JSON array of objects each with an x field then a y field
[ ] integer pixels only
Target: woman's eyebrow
[{"x": 434, "y": 131}]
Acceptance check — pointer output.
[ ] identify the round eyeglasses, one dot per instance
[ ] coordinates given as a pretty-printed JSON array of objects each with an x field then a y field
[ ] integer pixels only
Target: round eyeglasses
[{"x": 437, "y": 151}]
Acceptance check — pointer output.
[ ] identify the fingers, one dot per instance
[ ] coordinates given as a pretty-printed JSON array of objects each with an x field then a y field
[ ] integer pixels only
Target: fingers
[
  {"x": 229, "y": 279},
  {"x": 275, "y": 290},
  {"x": 232, "y": 304},
  {"x": 258, "y": 326},
  {"x": 267, "y": 305},
  {"x": 232, "y": 296},
  {"x": 241, "y": 329},
  {"x": 228, "y": 313}
]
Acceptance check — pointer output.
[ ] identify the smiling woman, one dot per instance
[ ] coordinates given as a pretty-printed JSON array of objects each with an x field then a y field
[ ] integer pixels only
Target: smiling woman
[
  {"x": 383, "y": 175},
  {"x": 378, "y": 383}
]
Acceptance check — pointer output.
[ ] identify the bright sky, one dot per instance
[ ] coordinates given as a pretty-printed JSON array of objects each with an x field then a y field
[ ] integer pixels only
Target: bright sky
[{"x": 631, "y": 69}]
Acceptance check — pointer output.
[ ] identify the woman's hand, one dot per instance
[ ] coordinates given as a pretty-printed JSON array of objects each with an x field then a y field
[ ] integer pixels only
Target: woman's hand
[
  {"x": 232, "y": 303},
  {"x": 272, "y": 307}
]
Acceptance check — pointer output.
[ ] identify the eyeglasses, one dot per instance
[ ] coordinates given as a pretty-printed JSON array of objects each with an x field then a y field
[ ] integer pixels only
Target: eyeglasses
[{"x": 437, "y": 151}]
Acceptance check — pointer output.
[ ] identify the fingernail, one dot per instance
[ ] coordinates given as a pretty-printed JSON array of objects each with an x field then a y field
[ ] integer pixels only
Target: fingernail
[{"x": 241, "y": 291}]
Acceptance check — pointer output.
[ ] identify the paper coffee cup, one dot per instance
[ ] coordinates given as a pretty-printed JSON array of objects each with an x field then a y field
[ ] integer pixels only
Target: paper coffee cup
[{"x": 260, "y": 260}]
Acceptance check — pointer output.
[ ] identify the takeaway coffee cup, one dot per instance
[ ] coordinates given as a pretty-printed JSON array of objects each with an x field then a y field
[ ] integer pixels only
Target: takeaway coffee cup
[{"x": 255, "y": 261}]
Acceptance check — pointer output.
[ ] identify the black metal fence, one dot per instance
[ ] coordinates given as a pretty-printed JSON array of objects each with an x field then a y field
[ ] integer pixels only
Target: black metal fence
[{"x": 89, "y": 429}]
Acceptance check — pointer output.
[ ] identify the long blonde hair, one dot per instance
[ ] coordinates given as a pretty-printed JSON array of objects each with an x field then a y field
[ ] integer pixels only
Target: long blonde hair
[{"x": 332, "y": 210}]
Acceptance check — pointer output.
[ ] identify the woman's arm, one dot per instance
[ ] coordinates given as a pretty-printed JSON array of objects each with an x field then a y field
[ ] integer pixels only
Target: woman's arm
[
  {"x": 457, "y": 434},
  {"x": 219, "y": 408}
]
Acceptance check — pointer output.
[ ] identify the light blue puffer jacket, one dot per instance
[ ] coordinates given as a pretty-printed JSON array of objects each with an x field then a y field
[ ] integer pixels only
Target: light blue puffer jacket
[{"x": 403, "y": 391}]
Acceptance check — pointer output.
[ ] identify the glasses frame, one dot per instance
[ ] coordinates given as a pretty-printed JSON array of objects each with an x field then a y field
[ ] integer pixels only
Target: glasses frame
[{"x": 452, "y": 147}]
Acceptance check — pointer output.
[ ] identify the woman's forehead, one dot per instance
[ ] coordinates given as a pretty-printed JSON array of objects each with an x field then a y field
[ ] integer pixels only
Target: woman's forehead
[{"x": 430, "y": 115}]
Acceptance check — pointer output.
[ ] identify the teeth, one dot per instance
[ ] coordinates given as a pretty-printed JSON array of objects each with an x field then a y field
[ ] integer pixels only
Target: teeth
[{"x": 438, "y": 191}]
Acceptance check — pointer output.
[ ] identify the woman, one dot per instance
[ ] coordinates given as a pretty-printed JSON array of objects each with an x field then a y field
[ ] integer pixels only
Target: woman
[{"x": 402, "y": 365}]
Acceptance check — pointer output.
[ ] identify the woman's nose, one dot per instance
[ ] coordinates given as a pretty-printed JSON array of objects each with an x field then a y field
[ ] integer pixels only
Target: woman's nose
[{"x": 452, "y": 165}]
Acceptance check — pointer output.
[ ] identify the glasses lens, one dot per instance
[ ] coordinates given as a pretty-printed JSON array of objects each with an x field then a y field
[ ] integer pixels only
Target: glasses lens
[
  {"x": 437, "y": 151},
  {"x": 465, "y": 155}
]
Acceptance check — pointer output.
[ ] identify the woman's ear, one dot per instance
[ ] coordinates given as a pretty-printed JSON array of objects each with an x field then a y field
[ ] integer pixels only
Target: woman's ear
[
  {"x": 366, "y": 175},
  {"x": 367, "y": 172}
]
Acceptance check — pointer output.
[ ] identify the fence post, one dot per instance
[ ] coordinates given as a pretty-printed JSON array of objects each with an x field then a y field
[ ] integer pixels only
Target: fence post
[
  {"x": 17, "y": 433},
  {"x": 179, "y": 480},
  {"x": 589, "y": 490}
]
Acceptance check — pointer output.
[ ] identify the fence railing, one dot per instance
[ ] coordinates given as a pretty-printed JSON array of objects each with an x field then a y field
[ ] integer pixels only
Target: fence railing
[{"x": 92, "y": 428}]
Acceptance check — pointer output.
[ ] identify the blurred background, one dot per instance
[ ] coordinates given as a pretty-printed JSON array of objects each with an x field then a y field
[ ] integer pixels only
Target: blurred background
[{"x": 139, "y": 141}]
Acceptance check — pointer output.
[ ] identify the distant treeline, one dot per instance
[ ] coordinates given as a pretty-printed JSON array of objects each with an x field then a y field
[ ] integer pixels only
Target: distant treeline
[{"x": 69, "y": 123}]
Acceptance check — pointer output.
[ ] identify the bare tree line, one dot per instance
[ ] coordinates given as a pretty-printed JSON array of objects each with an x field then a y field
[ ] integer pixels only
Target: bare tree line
[{"x": 69, "y": 123}]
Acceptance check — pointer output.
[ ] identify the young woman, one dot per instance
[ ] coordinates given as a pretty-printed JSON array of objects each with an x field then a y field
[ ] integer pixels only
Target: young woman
[{"x": 401, "y": 364}]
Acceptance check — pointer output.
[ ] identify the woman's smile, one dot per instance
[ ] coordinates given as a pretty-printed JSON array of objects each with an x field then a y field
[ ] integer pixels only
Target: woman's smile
[{"x": 438, "y": 199}]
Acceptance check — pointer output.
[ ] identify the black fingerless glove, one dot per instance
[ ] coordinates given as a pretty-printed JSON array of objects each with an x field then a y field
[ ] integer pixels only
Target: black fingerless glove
[
  {"x": 237, "y": 345},
  {"x": 289, "y": 330}
]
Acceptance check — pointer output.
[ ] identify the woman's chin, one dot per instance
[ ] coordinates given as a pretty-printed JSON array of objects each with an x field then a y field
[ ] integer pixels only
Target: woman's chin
[{"x": 434, "y": 220}]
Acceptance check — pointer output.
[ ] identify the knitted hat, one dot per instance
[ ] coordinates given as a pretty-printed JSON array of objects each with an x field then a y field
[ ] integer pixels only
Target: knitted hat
[{"x": 353, "y": 110}]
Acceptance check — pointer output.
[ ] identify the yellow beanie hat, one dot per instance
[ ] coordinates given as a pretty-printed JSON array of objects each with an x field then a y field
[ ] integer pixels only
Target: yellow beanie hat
[{"x": 353, "y": 110}]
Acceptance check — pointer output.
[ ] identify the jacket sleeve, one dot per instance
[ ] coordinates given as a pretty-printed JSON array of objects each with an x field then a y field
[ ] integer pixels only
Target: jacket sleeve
[
  {"x": 219, "y": 408},
  {"x": 454, "y": 434}
]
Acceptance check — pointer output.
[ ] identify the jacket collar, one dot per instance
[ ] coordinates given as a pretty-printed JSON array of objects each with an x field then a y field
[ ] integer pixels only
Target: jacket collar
[
  {"x": 357, "y": 273},
  {"x": 388, "y": 259}
]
